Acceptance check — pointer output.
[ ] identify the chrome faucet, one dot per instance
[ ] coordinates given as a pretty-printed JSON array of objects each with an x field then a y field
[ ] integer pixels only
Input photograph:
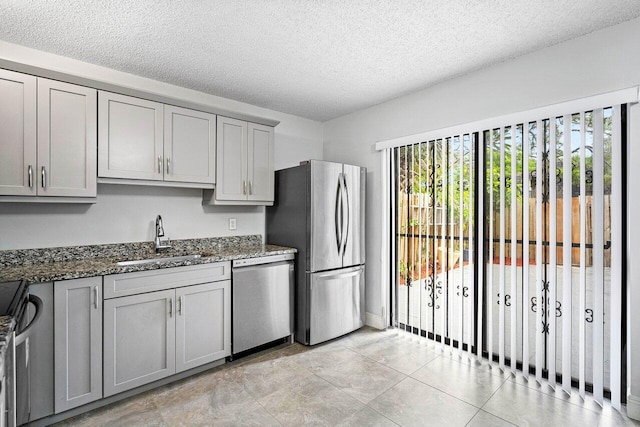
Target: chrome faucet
[{"x": 160, "y": 244}]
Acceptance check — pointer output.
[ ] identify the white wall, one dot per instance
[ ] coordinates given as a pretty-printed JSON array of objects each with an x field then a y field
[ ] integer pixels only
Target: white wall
[
  {"x": 596, "y": 63},
  {"x": 125, "y": 213}
]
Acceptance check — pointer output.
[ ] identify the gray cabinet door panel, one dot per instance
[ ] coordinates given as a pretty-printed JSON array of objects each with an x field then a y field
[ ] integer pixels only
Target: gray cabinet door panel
[
  {"x": 260, "y": 163},
  {"x": 231, "y": 154},
  {"x": 203, "y": 324},
  {"x": 78, "y": 342},
  {"x": 337, "y": 303},
  {"x": 67, "y": 139},
  {"x": 325, "y": 216},
  {"x": 354, "y": 196},
  {"x": 189, "y": 145},
  {"x": 130, "y": 137},
  {"x": 17, "y": 134},
  {"x": 139, "y": 340}
]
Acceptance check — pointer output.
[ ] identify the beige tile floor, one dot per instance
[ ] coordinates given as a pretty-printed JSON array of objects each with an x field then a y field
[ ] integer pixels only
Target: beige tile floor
[{"x": 368, "y": 378}]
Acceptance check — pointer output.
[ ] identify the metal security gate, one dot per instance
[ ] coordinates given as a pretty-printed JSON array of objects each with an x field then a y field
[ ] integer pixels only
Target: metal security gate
[
  {"x": 553, "y": 282},
  {"x": 543, "y": 293},
  {"x": 435, "y": 239}
]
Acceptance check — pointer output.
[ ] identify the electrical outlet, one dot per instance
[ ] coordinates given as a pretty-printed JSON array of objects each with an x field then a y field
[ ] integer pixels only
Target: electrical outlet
[{"x": 232, "y": 223}]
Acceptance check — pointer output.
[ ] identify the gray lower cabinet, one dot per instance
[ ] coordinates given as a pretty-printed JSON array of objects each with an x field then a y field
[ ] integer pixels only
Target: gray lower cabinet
[
  {"x": 153, "y": 335},
  {"x": 139, "y": 340},
  {"x": 77, "y": 342},
  {"x": 203, "y": 334}
]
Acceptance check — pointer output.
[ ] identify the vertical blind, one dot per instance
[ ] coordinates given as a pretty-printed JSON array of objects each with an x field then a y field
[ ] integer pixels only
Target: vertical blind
[{"x": 507, "y": 243}]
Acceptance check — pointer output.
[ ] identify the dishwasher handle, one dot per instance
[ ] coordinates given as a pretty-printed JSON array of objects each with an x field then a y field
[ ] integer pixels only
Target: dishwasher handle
[
  {"x": 249, "y": 268},
  {"x": 269, "y": 259}
]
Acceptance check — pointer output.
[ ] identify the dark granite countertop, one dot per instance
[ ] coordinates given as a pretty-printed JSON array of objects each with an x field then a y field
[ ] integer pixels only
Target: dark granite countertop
[{"x": 50, "y": 264}]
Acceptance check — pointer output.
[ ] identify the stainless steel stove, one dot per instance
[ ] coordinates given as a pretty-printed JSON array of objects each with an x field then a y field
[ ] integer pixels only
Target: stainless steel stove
[{"x": 14, "y": 302}]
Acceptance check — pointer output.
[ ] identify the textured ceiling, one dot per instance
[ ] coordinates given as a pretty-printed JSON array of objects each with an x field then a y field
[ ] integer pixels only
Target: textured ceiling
[{"x": 316, "y": 59}]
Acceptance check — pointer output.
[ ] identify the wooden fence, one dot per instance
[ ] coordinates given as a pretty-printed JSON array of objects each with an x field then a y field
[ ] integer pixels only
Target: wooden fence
[{"x": 418, "y": 223}]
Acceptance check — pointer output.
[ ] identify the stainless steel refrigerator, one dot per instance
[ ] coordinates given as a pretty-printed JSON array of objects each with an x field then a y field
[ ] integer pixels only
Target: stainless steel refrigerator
[{"x": 319, "y": 209}]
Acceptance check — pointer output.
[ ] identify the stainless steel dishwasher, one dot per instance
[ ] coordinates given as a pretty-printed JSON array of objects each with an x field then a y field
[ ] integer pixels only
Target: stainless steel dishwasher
[{"x": 262, "y": 300}]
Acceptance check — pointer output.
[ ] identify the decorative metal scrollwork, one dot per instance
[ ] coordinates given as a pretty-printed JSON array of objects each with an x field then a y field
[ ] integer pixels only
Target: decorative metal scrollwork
[
  {"x": 429, "y": 289},
  {"x": 465, "y": 290},
  {"x": 588, "y": 176},
  {"x": 545, "y": 328},
  {"x": 534, "y": 305},
  {"x": 438, "y": 292},
  {"x": 433, "y": 292},
  {"x": 589, "y": 316},
  {"x": 507, "y": 300},
  {"x": 545, "y": 306}
]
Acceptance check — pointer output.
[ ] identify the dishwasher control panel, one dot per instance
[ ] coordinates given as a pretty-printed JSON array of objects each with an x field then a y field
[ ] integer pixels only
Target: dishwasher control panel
[{"x": 262, "y": 260}]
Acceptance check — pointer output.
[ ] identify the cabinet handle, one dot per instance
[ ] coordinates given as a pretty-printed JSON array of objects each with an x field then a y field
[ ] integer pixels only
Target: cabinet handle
[
  {"x": 97, "y": 296},
  {"x": 170, "y": 307},
  {"x": 168, "y": 165},
  {"x": 250, "y": 187},
  {"x": 159, "y": 164},
  {"x": 30, "y": 177},
  {"x": 44, "y": 177},
  {"x": 244, "y": 187},
  {"x": 180, "y": 306}
]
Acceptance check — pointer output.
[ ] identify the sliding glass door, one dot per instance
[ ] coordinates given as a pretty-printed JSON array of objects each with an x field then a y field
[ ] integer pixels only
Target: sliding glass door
[
  {"x": 435, "y": 244},
  {"x": 511, "y": 238}
]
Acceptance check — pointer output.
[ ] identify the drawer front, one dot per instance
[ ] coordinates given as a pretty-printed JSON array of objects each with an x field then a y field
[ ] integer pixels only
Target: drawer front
[{"x": 118, "y": 285}]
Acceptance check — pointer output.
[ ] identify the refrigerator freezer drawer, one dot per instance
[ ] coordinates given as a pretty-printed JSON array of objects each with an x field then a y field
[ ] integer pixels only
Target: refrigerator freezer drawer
[{"x": 336, "y": 303}]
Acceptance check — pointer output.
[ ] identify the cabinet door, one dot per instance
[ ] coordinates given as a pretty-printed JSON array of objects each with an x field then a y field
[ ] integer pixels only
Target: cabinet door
[
  {"x": 67, "y": 139},
  {"x": 189, "y": 145},
  {"x": 139, "y": 340},
  {"x": 203, "y": 324},
  {"x": 130, "y": 137},
  {"x": 231, "y": 155},
  {"x": 77, "y": 342},
  {"x": 260, "y": 163},
  {"x": 17, "y": 134}
]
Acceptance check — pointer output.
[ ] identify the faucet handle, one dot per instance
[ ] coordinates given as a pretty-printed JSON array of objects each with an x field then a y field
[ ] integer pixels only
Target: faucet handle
[{"x": 159, "y": 227}]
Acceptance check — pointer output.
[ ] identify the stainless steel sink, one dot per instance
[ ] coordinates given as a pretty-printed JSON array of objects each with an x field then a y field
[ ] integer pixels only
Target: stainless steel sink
[{"x": 158, "y": 260}]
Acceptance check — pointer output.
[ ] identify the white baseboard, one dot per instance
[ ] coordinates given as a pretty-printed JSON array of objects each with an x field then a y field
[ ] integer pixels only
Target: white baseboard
[
  {"x": 375, "y": 321},
  {"x": 633, "y": 407}
]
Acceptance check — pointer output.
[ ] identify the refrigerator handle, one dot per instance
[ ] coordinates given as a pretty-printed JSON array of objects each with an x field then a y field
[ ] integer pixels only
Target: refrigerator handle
[
  {"x": 347, "y": 214},
  {"x": 338, "y": 214}
]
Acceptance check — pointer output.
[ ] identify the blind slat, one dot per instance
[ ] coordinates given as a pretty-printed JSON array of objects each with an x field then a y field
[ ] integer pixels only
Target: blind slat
[
  {"x": 598, "y": 257},
  {"x": 616, "y": 267},
  {"x": 567, "y": 204}
]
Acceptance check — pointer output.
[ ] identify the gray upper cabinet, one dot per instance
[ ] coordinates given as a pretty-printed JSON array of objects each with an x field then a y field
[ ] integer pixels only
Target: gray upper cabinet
[
  {"x": 130, "y": 138},
  {"x": 150, "y": 141},
  {"x": 260, "y": 163},
  {"x": 231, "y": 181},
  {"x": 67, "y": 139},
  {"x": 61, "y": 160},
  {"x": 78, "y": 342},
  {"x": 189, "y": 145},
  {"x": 244, "y": 163},
  {"x": 17, "y": 134},
  {"x": 202, "y": 333}
]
